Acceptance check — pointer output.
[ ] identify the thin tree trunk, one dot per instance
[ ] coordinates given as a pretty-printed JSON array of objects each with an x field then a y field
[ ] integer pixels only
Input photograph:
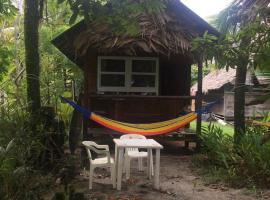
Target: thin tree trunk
[
  {"x": 31, "y": 24},
  {"x": 239, "y": 102},
  {"x": 199, "y": 102},
  {"x": 75, "y": 127}
]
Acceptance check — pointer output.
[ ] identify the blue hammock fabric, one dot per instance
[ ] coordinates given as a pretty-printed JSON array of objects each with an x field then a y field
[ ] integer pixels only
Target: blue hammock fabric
[{"x": 151, "y": 129}]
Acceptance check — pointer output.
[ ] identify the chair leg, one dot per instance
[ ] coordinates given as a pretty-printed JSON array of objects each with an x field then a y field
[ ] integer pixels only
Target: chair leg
[
  {"x": 139, "y": 166},
  {"x": 151, "y": 164},
  {"x": 91, "y": 175},
  {"x": 125, "y": 164},
  {"x": 127, "y": 168},
  {"x": 140, "y": 163},
  {"x": 113, "y": 176}
]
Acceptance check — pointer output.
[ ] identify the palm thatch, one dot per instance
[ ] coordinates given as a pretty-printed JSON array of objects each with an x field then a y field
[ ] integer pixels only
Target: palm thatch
[
  {"x": 249, "y": 4},
  {"x": 161, "y": 33},
  {"x": 218, "y": 79},
  {"x": 167, "y": 32},
  {"x": 239, "y": 12}
]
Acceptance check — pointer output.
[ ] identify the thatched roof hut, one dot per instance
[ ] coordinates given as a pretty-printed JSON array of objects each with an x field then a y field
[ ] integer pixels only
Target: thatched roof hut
[{"x": 147, "y": 74}]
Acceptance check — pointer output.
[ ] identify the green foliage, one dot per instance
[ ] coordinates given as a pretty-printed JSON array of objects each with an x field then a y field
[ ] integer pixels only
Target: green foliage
[
  {"x": 227, "y": 129},
  {"x": 7, "y": 9},
  {"x": 7, "y": 49},
  {"x": 204, "y": 46},
  {"x": 217, "y": 145},
  {"x": 248, "y": 43},
  {"x": 56, "y": 73},
  {"x": 246, "y": 163},
  {"x": 6, "y": 56},
  {"x": 17, "y": 180},
  {"x": 20, "y": 148},
  {"x": 20, "y": 168},
  {"x": 194, "y": 71},
  {"x": 55, "y": 15},
  {"x": 120, "y": 15}
]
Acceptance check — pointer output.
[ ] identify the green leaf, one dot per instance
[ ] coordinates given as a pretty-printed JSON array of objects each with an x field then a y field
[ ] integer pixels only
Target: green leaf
[
  {"x": 73, "y": 18},
  {"x": 10, "y": 145},
  {"x": 60, "y": 1}
]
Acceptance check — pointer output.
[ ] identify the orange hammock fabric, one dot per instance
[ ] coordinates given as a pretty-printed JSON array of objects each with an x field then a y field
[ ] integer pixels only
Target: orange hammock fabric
[
  {"x": 142, "y": 129},
  {"x": 145, "y": 129}
]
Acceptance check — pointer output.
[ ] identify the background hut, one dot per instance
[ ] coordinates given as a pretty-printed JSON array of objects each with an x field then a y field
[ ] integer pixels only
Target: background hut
[
  {"x": 219, "y": 85},
  {"x": 139, "y": 79}
]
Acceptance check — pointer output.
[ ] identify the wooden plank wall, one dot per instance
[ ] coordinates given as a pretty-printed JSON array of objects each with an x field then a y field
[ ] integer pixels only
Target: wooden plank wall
[
  {"x": 174, "y": 81},
  {"x": 250, "y": 111}
]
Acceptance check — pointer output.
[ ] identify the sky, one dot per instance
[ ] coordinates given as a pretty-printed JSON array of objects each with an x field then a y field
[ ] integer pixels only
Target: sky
[{"x": 206, "y": 8}]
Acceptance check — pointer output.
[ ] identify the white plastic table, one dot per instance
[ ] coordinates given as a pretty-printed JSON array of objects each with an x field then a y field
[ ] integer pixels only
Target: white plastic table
[{"x": 148, "y": 144}]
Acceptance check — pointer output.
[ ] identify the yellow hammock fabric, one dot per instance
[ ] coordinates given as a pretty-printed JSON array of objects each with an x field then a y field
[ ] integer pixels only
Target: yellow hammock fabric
[
  {"x": 142, "y": 129},
  {"x": 145, "y": 129}
]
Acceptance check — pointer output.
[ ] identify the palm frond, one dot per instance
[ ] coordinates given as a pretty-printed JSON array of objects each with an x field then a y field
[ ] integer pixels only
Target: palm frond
[{"x": 239, "y": 12}]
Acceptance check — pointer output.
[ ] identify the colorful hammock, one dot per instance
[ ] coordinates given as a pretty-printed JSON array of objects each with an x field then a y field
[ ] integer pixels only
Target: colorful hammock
[{"x": 142, "y": 129}]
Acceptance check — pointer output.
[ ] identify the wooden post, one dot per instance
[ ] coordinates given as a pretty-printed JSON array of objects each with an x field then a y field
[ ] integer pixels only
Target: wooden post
[
  {"x": 86, "y": 105},
  {"x": 199, "y": 101}
]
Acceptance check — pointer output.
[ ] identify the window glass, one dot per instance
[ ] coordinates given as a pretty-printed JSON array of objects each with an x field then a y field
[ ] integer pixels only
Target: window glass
[
  {"x": 128, "y": 74},
  {"x": 111, "y": 65},
  {"x": 143, "y": 81},
  {"x": 112, "y": 80},
  {"x": 144, "y": 66}
]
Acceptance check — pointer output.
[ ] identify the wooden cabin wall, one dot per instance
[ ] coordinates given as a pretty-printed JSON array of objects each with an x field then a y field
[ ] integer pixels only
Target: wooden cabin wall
[
  {"x": 175, "y": 76},
  {"x": 90, "y": 73},
  {"x": 90, "y": 84},
  {"x": 174, "y": 81}
]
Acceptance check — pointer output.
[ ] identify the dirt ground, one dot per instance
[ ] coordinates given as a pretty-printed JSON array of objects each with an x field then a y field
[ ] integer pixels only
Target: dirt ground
[{"x": 178, "y": 180}]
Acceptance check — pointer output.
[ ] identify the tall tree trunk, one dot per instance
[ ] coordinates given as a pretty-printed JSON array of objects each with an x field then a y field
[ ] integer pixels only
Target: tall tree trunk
[
  {"x": 239, "y": 102},
  {"x": 31, "y": 24},
  {"x": 239, "y": 92}
]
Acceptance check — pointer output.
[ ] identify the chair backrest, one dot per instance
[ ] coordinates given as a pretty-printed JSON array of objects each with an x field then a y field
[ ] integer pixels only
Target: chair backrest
[
  {"x": 99, "y": 149},
  {"x": 132, "y": 136}
]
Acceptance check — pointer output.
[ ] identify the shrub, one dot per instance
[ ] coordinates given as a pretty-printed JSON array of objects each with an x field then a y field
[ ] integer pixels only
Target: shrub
[
  {"x": 23, "y": 150},
  {"x": 217, "y": 146},
  {"x": 253, "y": 157},
  {"x": 17, "y": 179},
  {"x": 248, "y": 161}
]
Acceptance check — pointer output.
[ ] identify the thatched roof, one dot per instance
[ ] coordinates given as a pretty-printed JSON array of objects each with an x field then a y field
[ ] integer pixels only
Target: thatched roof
[
  {"x": 165, "y": 33},
  {"x": 217, "y": 79},
  {"x": 240, "y": 12},
  {"x": 244, "y": 5}
]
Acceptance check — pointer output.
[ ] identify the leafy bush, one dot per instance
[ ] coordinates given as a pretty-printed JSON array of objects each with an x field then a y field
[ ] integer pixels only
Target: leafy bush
[
  {"x": 26, "y": 153},
  {"x": 19, "y": 150},
  {"x": 247, "y": 162},
  {"x": 217, "y": 146},
  {"x": 17, "y": 180},
  {"x": 253, "y": 157}
]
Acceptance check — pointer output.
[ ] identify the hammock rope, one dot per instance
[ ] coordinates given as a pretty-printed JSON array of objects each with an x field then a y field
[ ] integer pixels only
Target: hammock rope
[{"x": 150, "y": 129}]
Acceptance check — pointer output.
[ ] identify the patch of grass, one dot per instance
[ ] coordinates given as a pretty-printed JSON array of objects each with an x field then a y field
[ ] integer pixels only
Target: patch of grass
[{"x": 227, "y": 129}]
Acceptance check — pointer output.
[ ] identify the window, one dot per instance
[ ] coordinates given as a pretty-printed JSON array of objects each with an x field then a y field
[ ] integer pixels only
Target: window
[{"x": 127, "y": 74}]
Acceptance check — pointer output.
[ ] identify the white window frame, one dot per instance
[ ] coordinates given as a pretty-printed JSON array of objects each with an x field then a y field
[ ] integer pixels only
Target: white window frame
[{"x": 128, "y": 74}]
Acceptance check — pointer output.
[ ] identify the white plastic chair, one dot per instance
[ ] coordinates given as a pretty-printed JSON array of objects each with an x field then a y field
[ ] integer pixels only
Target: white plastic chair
[
  {"x": 105, "y": 161},
  {"x": 131, "y": 153}
]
